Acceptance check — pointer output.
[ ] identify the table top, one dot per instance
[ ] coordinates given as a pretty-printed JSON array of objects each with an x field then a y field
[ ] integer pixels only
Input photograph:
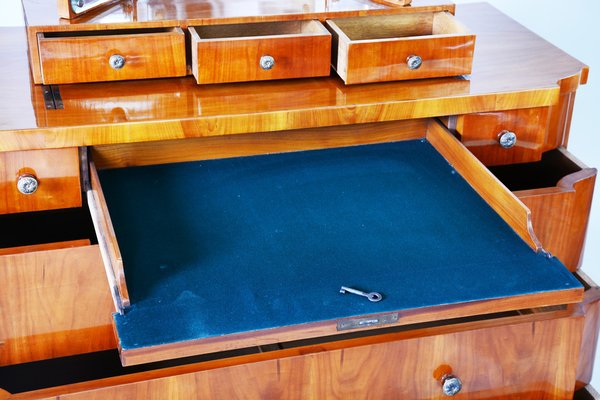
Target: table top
[{"x": 512, "y": 68}]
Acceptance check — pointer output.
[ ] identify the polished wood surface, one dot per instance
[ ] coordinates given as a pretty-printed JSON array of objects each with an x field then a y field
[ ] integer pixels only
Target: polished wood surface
[
  {"x": 487, "y": 185},
  {"x": 232, "y": 53},
  {"x": 54, "y": 303},
  {"x": 125, "y": 112},
  {"x": 591, "y": 330},
  {"x": 480, "y": 133},
  {"x": 376, "y": 48},
  {"x": 560, "y": 214},
  {"x": 74, "y": 59},
  {"x": 57, "y": 173},
  {"x": 151, "y": 153},
  {"x": 487, "y": 356},
  {"x": 107, "y": 239}
]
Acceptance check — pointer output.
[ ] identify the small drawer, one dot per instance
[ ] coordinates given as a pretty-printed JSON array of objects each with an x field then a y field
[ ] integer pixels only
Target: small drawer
[
  {"x": 558, "y": 191},
  {"x": 399, "y": 47},
  {"x": 75, "y": 57},
  {"x": 260, "y": 51},
  {"x": 39, "y": 180},
  {"x": 504, "y": 137}
]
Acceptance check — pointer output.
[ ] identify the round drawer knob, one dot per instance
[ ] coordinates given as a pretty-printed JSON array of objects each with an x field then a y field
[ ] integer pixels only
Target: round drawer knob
[
  {"x": 27, "y": 184},
  {"x": 451, "y": 385},
  {"x": 507, "y": 139},
  {"x": 116, "y": 61},
  {"x": 414, "y": 62},
  {"x": 267, "y": 62}
]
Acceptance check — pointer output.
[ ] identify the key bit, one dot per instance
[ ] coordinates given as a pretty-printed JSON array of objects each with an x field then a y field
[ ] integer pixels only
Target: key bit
[{"x": 372, "y": 296}]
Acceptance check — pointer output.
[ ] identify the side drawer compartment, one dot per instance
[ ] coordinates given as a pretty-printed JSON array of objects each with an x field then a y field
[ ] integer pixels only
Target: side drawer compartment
[
  {"x": 39, "y": 180},
  {"x": 260, "y": 51},
  {"x": 75, "y": 57},
  {"x": 558, "y": 191}
]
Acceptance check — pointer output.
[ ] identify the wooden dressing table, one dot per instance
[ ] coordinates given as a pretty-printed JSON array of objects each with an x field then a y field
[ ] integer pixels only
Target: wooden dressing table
[{"x": 104, "y": 140}]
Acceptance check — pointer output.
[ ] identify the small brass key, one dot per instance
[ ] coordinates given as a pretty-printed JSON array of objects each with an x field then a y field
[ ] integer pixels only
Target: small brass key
[{"x": 373, "y": 296}]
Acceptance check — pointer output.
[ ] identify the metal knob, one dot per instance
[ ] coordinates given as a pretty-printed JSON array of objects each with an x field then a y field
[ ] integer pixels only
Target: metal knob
[
  {"x": 414, "y": 62},
  {"x": 267, "y": 62},
  {"x": 116, "y": 61},
  {"x": 27, "y": 184},
  {"x": 507, "y": 139},
  {"x": 451, "y": 385}
]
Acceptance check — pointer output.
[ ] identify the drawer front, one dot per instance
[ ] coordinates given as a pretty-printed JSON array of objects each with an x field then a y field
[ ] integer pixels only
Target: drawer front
[
  {"x": 55, "y": 302},
  {"x": 39, "y": 180},
  {"x": 516, "y": 360},
  {"x": 283, "y": 51},
  {"x": 103, "y": 56},
  {"x": 505, "y": 137},
  {"x": 558, "y": 191},
  {"x": 376, "y": 49}
]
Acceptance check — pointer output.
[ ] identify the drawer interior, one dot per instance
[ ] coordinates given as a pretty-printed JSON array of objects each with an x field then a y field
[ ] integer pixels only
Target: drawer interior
[
  {"x": 280, "y": 28},
  {"x": 41, "y": 227},
  {"x": 109, "y": 32},
  {"x": 400, "y": 26},
  {"x": 547, "y": 172},
  {"x": 222, "y": 249}
]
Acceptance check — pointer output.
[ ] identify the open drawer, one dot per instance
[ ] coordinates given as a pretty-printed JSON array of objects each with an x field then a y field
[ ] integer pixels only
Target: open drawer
[
  {"x": 399, "y": 47},
  {"x": 558, "y": 190},
  {"x": 214, "y": 255}
]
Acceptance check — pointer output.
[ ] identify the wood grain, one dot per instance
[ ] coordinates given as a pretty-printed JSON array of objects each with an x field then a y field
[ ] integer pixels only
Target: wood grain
[
  {"x": 503, "y": 362},
  {"x": 376, "y": 49},
  {"x": 107, "y": 239},
  {"x": 85, "y": 58},
  {"x": 591, "y": 330},
  {"x": 480, "y": 134},
  {"x": 483, "y": 182},
  {"x": 560, "y": 214},
  {"x": 232, "y": 53},
  {"x": 57, "y": 173},
  {"x": 177, "y": 108},
  {"x": 44, "y": 246},
  {"x": 128, "y": 155},
  {"x": 54, "y": 303}
]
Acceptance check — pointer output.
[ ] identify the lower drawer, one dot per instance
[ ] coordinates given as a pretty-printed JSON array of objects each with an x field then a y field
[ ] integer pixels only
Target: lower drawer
[
  {"x": 55, "y": 300},
  {"x": 506, "y": 357},
  {"x": 558, "y": 192}
]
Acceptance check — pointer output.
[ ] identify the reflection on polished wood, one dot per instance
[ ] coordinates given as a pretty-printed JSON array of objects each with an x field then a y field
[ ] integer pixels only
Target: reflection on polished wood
[
  {"x": 399, "y": 365},
  {"x": 54, "y": 303},
  {"x": 519, "y": 71}
]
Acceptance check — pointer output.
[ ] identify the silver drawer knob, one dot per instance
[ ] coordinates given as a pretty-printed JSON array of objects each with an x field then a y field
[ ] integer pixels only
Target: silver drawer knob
[
  {"x": 27, "y": 184},
  {"x": 267, "y": 62},
  {"x": 451, "y": 385},
  {"x": 414, "y": 62},
  {"x": 116, "y": 61},
  {"x": 507, "y": 139}
]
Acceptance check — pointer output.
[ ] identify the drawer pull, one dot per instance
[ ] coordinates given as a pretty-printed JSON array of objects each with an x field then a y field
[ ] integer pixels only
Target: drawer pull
[
  {"x": 507, "y": 139},
  {"x": 267, "y": 62},
  {"x": 116, "y": 61},
  {"x": 414, "y": 62},
  {"x": 27, "y": 184},
  {"x": 451, "y": 385}
]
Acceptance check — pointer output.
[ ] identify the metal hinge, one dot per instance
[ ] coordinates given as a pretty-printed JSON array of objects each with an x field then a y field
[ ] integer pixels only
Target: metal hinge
[{"x": 52, "y": 98}]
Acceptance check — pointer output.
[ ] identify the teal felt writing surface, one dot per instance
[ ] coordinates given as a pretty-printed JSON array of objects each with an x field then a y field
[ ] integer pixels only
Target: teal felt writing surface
[{"x": 220, "y": 247}]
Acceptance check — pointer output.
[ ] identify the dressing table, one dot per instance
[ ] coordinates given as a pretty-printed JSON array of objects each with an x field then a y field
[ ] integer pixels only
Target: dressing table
[{"x": 190, "y": 185}]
